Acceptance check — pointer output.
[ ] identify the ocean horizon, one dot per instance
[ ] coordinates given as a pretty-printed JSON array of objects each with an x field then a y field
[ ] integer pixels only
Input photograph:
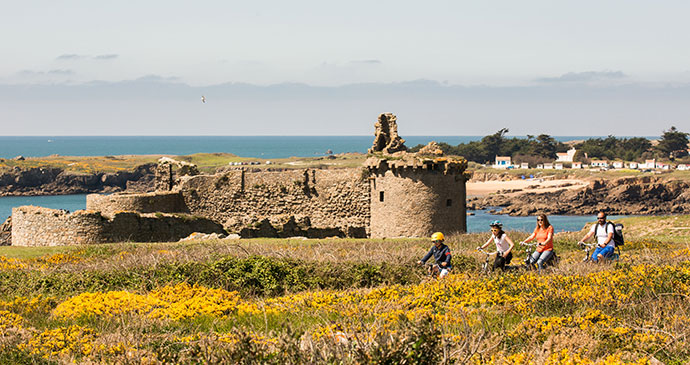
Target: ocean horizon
[{"x": 266, "y": 147}]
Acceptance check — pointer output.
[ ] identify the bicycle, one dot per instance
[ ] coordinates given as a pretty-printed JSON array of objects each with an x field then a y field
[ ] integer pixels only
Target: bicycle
[
  {"x": 434, "y": 270},
  {"x": 529, "y": 250},
  {"x": 588, "y": 247}
]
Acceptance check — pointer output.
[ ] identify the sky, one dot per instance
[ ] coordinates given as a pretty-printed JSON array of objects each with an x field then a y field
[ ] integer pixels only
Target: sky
[{"x": 329, "y": 68}]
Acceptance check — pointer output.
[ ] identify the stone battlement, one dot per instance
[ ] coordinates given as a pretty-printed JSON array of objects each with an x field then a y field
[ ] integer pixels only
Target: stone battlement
[{"x": 409, "y": 162}]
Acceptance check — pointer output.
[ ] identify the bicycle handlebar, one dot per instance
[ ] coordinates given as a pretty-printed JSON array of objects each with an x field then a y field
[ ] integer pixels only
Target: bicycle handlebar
[
  {"x": 583, "y": 244},
  {"x": 487, "y": 253}
]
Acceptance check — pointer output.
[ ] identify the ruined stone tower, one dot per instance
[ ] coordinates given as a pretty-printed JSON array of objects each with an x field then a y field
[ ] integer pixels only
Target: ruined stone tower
[
  {"x": 413, "y": 195},
  {"x": 414, "y": 198}
]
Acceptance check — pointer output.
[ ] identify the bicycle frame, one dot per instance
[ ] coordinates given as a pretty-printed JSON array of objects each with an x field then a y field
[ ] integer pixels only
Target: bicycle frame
[
  {"x": 529, "y": 250},
  {"x": 485, "y": 265},
  {"x": 589, "y": 247}
]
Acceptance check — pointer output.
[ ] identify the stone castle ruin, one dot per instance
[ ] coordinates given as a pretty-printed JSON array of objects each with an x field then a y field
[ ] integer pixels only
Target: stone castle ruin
[
  {"x": 394, "y": 194},
  {"x": 386, "y": 135}
]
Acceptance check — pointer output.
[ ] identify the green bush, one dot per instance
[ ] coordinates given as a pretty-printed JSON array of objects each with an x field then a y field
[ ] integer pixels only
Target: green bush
[{"x": 254, "y": 275}]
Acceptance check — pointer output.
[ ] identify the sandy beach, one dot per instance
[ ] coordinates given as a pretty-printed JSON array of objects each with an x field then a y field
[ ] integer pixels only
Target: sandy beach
[{"x": 482, "y": 188}]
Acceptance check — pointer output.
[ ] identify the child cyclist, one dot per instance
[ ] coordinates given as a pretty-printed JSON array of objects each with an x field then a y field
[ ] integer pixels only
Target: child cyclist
[
  {"x": 441, "y": 254},
  {"x": 504, "y": 245}
]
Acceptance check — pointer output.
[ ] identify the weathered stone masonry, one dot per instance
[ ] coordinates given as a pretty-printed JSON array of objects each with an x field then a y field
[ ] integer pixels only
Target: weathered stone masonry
[
  {"x": 37, "y": 226},
  {"x": 164, "y": 201},
  {"x": 415, "y": 198},
  {"x": 337, "y": 199}
]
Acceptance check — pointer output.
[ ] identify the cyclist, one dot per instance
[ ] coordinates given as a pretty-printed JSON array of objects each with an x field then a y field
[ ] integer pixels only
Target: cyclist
[
  {"x": 504, "y": 245},
  {"x": 543, "y": 233},
  {"x": 604, "y": 233},
  {"x": 441, "y": 254}
]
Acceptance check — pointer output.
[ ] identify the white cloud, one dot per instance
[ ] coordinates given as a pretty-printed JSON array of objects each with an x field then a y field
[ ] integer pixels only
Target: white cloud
[
  {"x": 70, "y": 57},
  {"x": 105, "y": 57}
]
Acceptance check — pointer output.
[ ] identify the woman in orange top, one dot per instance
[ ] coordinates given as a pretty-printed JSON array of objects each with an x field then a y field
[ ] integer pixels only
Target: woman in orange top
[{"x": 543, "y": 233}]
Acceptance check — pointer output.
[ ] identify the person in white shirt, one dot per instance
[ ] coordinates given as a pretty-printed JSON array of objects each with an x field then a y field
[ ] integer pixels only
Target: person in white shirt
[
  {"x": 604, "y": 232},
  {"x": 504, "y": 245}
]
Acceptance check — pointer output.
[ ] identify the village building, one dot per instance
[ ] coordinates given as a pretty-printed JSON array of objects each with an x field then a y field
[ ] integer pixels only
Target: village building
[
  {"x": 558, "y": 166},
  {"x": 502, "y": 162},
  {"x": 662, "y": 166},
  {"x": 566, "y": 156},
  {"x": 576, "y": 165},
  {"x": 649, "y": 164},
  {"x": 524, "y": 165},
  {"x": 548, "y": 166},
  {"x": 599, "y": 163},
  {"x": 617, "y": 164}
]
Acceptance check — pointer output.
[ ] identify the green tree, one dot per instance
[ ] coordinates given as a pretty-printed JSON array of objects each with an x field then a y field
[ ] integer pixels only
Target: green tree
[
  {"x": 673, "y": 143},
  {"x": 492, "y": 144},
  {"x": 546, "y": 146}
]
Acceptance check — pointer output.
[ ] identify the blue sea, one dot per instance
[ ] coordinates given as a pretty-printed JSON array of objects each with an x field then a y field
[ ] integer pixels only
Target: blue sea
[{"x": 245, "y": 146}]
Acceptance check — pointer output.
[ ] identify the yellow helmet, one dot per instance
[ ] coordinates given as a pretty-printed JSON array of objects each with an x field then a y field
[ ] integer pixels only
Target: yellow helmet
[{"x": 438, "y": 236}]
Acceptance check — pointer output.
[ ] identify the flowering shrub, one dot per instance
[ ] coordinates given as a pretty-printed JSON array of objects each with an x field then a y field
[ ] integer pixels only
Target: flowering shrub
[{"x": 62, "y": 341}]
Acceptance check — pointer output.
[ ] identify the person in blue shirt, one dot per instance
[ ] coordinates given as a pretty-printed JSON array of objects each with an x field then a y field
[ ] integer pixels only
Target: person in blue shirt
[{"x": 441, "y": 254}]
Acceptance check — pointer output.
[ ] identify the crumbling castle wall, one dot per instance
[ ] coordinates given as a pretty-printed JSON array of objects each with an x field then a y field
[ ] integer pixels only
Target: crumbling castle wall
[
  {"x": 163, "y": 201},
  {"x": 317, "y": 199},
  {"x": 37, "y": 226}
]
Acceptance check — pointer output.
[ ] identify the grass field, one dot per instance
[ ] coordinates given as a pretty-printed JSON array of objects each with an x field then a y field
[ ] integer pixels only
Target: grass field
[
  {"x": 345, "y": 301},
  {"x": 207, "y": 162}
]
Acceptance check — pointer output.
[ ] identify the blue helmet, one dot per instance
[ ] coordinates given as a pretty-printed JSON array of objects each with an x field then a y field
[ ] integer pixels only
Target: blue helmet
[{"x": 496, "y": 224}]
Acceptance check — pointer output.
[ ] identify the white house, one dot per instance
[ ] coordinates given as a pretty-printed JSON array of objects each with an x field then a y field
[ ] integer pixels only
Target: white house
[
  {"x": 662, "y": 166},
  {"x": 524, "y": 165},
  {"x": 548, "y": 166},
  {"x": 577, "y": 165},
  {"x": 682, "y": 167},
  {"x": 617, "y": 164},
  {"x": 502, "y": 162},
  {"x": 599, "y": 163},
  {"x": 566, "y": 156},
  {"x": 649, "y": 164},
  {"x": 558, "y": 166},
  {"x": 632, "y": 165},
  {"x": 540, "y": 166}
]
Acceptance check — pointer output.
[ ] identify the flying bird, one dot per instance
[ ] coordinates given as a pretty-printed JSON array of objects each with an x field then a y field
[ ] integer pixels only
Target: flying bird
[{"x": 203, "y": 99}]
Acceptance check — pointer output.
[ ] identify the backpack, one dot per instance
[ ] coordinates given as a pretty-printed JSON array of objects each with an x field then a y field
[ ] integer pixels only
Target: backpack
[{"x": 617, "y": 233}]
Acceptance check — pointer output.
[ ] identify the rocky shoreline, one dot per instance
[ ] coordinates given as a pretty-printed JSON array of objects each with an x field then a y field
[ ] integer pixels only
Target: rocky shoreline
[
  {"x": 626, "y": 196},
  {"x": 56, "y": 181}
]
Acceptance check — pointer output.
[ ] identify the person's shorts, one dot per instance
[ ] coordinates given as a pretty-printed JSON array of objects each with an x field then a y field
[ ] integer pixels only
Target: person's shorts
[{"x": 605, "y": 251}]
